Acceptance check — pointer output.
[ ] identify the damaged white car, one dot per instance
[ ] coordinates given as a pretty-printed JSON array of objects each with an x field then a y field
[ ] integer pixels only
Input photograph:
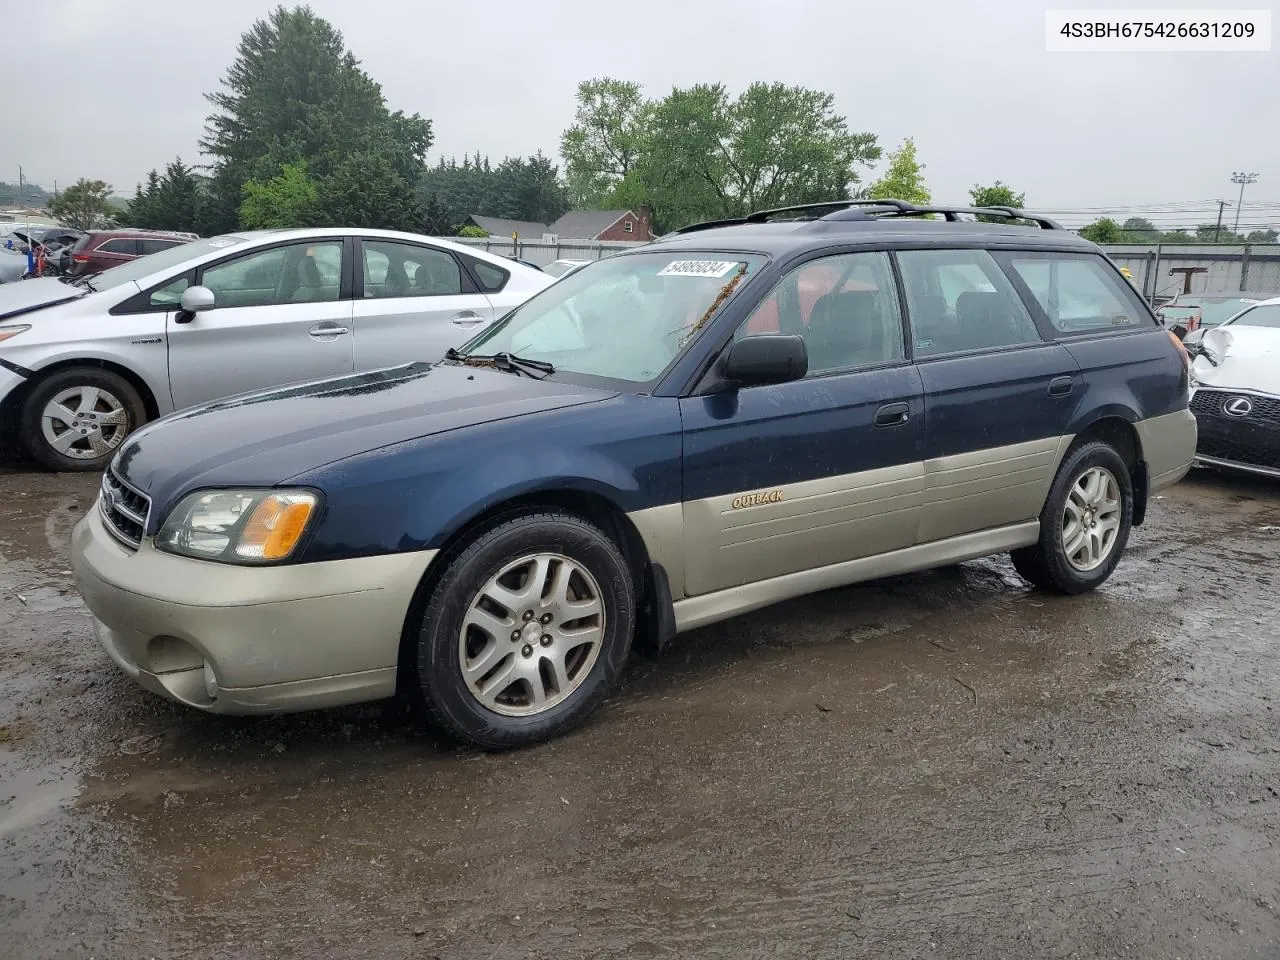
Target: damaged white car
[{"x": 1235, "y": 392}]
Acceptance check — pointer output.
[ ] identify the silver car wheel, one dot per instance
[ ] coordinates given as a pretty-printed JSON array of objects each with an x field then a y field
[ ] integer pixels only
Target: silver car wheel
[
  {"x": 84, "y": 423},
  {"x": 1091, "y": 520},
  {"x": 531, "y": 635}
]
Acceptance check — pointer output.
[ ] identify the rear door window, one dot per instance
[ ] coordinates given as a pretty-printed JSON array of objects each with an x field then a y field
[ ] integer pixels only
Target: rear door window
[
  {"x": 1079, "y": 293},
  {"x": 155, "y": 246},
  {"x": 960, "y": 300},
  {"x": 124, "y": 245}
]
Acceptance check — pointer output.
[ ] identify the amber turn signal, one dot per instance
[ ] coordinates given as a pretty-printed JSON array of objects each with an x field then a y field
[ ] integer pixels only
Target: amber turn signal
[{"x": 275, "y": 526}]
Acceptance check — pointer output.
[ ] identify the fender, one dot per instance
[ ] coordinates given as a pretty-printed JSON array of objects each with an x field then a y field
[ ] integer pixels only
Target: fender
[{"x": 417, "y": 495}]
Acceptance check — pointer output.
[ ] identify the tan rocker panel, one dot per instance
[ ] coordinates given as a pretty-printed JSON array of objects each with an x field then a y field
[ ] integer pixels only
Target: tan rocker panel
[{"x": 812, "y": 523}]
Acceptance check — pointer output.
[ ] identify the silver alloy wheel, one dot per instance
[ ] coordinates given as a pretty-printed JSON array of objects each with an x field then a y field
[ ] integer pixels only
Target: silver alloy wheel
[
  {"x": 84, "y": 423},
  {"x": 531, "y": 635},
  {"x": 1091, "y": 520}
]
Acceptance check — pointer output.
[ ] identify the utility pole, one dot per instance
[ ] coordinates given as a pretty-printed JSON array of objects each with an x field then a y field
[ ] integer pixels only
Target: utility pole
[
  {"x": 19, "y": 186},
  {"x": 1242, "y": 179},
  {"x": 1218, "y": 227}
]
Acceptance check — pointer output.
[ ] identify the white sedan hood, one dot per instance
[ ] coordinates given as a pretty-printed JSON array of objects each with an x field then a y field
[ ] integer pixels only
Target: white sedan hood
[{"x": 1247, "y": 358}]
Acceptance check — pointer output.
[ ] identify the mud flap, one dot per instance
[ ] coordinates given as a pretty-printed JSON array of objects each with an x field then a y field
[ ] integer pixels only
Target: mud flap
[{"x": 657, "y": 613}]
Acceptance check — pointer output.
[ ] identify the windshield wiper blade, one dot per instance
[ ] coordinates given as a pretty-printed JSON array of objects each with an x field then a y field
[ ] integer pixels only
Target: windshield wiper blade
[{"x": 507, "y": 362}]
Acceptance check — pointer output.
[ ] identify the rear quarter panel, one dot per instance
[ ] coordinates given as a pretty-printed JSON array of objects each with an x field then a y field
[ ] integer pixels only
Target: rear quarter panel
[{"x": 1135, "y": 376}]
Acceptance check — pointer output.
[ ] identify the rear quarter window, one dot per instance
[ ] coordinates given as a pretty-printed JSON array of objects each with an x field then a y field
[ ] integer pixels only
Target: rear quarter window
[
  {"x": 1078, "y": 293},
  {"x": 490, "y": 277}
]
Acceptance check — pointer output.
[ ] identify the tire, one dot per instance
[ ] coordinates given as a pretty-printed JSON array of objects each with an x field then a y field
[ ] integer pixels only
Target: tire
[
  {"x": 474, "y": 617},
  {"x": 110, "y": 414},
  {"x": 1047, "y": 564}
]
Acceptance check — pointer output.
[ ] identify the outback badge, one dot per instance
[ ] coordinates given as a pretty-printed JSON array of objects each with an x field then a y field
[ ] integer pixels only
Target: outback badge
[{"x": 755, "y": 499}]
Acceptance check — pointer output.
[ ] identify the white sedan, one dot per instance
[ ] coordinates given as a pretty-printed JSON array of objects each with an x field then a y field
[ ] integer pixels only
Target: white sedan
[{"x": 83, "y": 363}]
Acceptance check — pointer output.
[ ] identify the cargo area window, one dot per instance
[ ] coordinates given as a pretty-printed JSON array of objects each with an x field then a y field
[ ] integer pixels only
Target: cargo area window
[{"x": 1077, "y": 293}]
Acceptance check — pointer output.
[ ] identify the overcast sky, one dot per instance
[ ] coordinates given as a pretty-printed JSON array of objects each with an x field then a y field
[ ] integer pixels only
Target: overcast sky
[{"x": 969, "y": 80}]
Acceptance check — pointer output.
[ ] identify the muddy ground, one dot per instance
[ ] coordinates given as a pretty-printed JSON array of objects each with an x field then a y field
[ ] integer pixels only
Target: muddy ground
[{"x": 940, "y": 765}]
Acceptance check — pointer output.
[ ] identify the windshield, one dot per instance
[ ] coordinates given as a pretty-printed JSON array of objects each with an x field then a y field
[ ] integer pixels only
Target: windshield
[
  {"x": 558, "y": 268},
  {"x": 1267, "y": 315},
  {"x": 145, "y": 266},
  {"x": 625, "y": 318}
]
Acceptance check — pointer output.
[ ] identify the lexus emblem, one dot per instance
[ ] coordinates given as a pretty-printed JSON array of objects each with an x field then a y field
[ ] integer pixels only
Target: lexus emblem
[{"x": 1238, "y": 407}]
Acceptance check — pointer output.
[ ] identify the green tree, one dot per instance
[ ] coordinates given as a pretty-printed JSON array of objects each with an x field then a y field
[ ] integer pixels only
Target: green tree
[
  {"x": 1103, "y": 230},
  {"x": 1262, "y": 236},
  {"x": 997, "y": 195},
  {"x": 83, "y": 205},
  {"x": 171, "y": 201},
  {"x": 903, "y": 179},
  {"x": 606, "y": 139},
  {"x": 295, "y": 92},
  {"x": 470, "y": 230},
  {"x": 708, "y": 156},
  {"x": 287, "y": 200},
  {"x": 367, "y": 191}
]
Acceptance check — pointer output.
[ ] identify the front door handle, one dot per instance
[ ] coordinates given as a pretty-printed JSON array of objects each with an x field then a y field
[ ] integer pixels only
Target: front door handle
[
  {"x": 467, "y": 318},
  {"x": 1061, "y": 386},
  {"x": 893, "y": 414},
  {"x": 327, "y": 331}
]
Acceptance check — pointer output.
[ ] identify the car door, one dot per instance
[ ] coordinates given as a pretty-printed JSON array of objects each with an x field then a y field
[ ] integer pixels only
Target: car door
[
  {"x": 997, "y": 397},
  {"x": 282, "y": 314},
  {"x": 819, "y": 471},
  {"x": 413, "y": 302}
]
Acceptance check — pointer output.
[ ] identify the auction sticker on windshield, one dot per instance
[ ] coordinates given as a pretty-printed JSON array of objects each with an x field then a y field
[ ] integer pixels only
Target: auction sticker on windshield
[{"x": 697, "y": 268}]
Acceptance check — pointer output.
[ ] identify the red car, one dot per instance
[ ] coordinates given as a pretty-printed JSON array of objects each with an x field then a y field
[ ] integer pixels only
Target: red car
[{"x": 102, "y": 249}]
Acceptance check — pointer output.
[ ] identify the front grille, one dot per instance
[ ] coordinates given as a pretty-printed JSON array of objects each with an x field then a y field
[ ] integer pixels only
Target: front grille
[
  {"x": 1254, "y": 454},
  {"x": 124, "y": 510},
  {"x": 1265, "y": 409}
]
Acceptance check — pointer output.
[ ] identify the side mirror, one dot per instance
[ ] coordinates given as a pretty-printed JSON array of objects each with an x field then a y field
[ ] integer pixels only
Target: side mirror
[
  {"x": 761, "y": 360},
  {"x": 194, "y": 300}
]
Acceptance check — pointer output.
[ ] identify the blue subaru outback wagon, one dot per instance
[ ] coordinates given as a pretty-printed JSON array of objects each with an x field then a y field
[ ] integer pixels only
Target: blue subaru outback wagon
[{"x": 738, "y": 413}]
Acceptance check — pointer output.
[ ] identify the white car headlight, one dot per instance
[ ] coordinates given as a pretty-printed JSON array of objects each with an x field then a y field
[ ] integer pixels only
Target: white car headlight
[{"x": 238, "y": 526}]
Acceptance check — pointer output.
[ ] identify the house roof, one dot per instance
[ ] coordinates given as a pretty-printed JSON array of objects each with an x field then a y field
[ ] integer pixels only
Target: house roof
[
  {"x": 574, "y": 225},
  {"x": 586, "y": 224},
  {"x": 500, "y": 227}
]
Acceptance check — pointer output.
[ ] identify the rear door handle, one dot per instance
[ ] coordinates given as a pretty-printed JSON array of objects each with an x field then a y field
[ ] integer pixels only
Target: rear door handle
[
  {"x": 892, "y": 414},
  {"x": 327, "y": 331},
  {"x": 1061, "y": 386},
  {"x": 467, "y": 318}
]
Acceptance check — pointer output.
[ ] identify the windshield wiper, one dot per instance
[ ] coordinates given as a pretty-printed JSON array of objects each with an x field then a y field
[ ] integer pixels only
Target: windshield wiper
[{"x": 506, "y": 362}]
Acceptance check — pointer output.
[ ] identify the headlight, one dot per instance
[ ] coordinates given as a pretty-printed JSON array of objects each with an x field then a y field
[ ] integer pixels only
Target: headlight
[
  {"x": 7, "y": 332},
  {"x": 238, "y": 526}
]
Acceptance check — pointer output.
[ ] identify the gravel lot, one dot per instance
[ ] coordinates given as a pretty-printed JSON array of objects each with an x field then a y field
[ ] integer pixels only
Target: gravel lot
[{"x": 939, "y": 765}]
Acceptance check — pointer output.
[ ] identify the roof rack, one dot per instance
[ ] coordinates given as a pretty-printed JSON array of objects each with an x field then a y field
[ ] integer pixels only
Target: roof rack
[{"x": 887, "y": 208}]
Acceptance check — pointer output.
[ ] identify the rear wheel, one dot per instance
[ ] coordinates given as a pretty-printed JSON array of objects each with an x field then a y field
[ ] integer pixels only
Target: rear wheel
[
  {"x": 76, "y": 419},
  {"x": 526, "y": 631},
  {"x": 1084, "y": 525}
]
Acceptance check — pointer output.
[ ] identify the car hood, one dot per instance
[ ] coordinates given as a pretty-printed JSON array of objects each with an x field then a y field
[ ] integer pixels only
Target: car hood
[
  {"x": 1247, "y": 358},
  {"x": 19, "y": 298},
  {"x": 265, "y": 438}
]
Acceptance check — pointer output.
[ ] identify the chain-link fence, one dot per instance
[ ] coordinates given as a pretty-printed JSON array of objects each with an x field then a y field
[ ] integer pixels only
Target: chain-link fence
[{"x": 1164, "y": 270}]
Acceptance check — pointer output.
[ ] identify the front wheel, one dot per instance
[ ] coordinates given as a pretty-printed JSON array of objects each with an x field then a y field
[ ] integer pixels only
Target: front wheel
[
  {"x": 526, "y": 631},
  {"x": 1084, "y": 525},
  {"x": 76, "y": 419}
]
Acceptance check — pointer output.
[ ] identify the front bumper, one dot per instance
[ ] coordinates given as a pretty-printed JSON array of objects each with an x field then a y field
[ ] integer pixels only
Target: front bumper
[
  {"x": 1248, "y": 442},
  {"x": 245, "y": 640}
]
